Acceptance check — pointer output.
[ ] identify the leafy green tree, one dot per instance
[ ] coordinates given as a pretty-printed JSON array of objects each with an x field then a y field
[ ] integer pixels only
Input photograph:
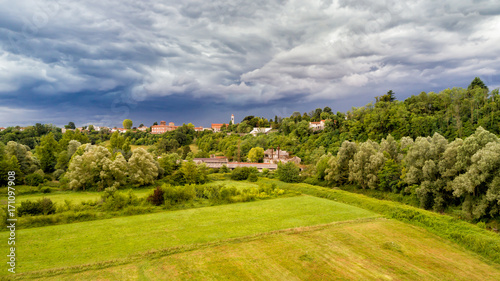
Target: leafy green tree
[
  {"x": 256, "y": 154},
  {"x": 126, "y": 145},
  {"x": 117, "y": 141},
  {"x": 127, "y": 124},
  {"x": 389, "y": 176},
  {"x": 169, "y": 163},
  {"x": 114, "y": 172},
  {"x": 46, "y": 153},
  {"x": 477, "y": 83},
  {"x": 189, "y": 172},
  {"x": 71, "y": 125},
  {"x": 364, "y": 167},
  {"x": 288, "y": 172},
  {"x": 86, "y": 171},
  {"x": 27, "y": 163},
  {"x": 143, "y": 169},
  {"x": 338, "y": 166}
]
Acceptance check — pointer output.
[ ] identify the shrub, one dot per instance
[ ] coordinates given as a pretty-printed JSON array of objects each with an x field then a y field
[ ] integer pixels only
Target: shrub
[
  {"x": 253, "y": 178},
  {"x": 46, "y": 190},
  {"x": 178, "y": 194},
  {"x": 157, "y": 197},
  {"x": 43, "y": 206},
  {"x": 288, "y": 172},
  {"x": 34, "y": 179},
  {"x": 114, "y": 201},
  {"x": 58, "y": 173},
  {"x": 242, "y": 173}
]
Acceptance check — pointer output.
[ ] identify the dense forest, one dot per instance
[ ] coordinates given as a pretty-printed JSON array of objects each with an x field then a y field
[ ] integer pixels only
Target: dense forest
[{"x": 440, "y": 148}]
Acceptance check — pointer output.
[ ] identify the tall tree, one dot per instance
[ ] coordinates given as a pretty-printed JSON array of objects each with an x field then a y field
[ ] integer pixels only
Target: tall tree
[
  {"x": 127, "y": 124},
  {"x": 46, "y": 153}
]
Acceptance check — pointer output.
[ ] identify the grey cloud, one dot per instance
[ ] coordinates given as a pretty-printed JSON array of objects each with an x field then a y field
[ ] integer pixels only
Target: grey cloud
[{"x": 243, "y": 52}]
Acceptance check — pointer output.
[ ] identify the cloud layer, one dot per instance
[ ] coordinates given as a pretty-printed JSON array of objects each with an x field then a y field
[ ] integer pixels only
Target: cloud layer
[{"x": 92, "y": 55}]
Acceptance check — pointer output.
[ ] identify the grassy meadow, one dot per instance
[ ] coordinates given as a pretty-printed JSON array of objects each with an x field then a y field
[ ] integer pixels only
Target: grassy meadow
[
  {"x": 97, "y": 241},
  {"x": 324, "y": 234},
  {"x": 376, "y": 249}
]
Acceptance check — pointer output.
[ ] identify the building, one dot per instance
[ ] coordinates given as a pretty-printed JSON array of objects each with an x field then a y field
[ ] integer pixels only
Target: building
[
  {"x": 212, "y": 162},
  {"x": 199, "y": 129},
  {"x": 232, "y": 119},
  {"x": 277, "y": 156},
  {"x": 217, "y": 127},
  {"x": 256, "y": 131},
  {"x": 259, "y": 166},
  {"x": 2, "y": 128},
  {"x": 142, "y": 128},
  {"x": 315, "y": 126},
  {"x": 163, "y": 127}
]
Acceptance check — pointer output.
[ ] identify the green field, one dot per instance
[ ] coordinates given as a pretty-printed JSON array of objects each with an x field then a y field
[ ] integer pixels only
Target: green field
[
  {"x": 75, "y": 197},
  {"x": 118, "y": 238},
  {"x": 377, "y": 249},
  {"x": 240, "y": 185}
]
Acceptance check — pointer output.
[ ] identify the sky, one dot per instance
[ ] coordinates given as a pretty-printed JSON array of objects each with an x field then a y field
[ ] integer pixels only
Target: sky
[{"x": 99, "y": 62}]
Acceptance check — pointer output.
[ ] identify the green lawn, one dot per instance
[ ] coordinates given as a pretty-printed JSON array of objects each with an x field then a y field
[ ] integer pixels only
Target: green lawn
[
  {"x": 377, "y": 249},
  {"x": 96, "y": 241},
  {"x": 240, "y": 185},
  {"x": 75, "y": 197}
]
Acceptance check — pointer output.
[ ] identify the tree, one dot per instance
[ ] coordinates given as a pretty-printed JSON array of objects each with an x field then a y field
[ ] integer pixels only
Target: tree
[
  {"x": 169, "y": 163},
  {"x": 27, "y": 163},
  {"x": 338, "y": 166},
  {"x": 127, "y": 124},
  {"x": 143, "y": 169},
  {"x": 126, "y": 145},
  {"x": 114, "y": 173},
  {"x": 256, "y": 154},
  {"x": 477, "y": 83},
  {"x": 87, "y": 171},
  {"x": 189, "y": 172},
  {"x": 116, "y": 141},
  {"x": 288, "y": 172},
  {"x": 365, "y": 165},
  {"x": 70, "y": 125},
  {"x": 46, "y": 153}
]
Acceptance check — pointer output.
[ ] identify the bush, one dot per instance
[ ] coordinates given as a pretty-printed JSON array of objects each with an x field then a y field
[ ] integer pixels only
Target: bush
[
  {"x": 114, "y": 201},
  {"x": 46, "y": 190},
  {"x": 58, "y": 173},
  {"x": 242, "y": 173},
  {"x": 253, "y": 178},
  {"x": 43, "y": 206},
  {"x": 157, "y": 197},
  {"x": 34, "y": 179},
  {"x": 288, "y": 172},
  {"x": 178, "y": 194}
]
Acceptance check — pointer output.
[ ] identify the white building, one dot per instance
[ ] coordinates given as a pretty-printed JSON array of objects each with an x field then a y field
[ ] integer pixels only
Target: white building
[{"x": 256, "y": 131}]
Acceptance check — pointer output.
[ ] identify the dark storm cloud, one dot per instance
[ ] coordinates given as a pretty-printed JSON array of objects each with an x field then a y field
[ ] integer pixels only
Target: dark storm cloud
[{"x": 96, "y": 61}]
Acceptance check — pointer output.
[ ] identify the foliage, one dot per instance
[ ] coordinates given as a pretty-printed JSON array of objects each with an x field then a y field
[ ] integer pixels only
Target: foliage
[
  {"x": 288, "y": 172},
  {"x": 43, "y": 206},
  {"x": 242, "y": 173},
  {"x": 33, "y": 179},
  {"x": 157, "y": 197},
  {"x": 143, "y": 169},
  {"x": 256, "y": 154},
  {"x": 127, "y": 124}
]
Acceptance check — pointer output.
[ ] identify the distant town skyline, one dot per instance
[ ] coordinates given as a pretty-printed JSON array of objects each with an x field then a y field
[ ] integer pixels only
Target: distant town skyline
[{"x": 99, "y": 62}]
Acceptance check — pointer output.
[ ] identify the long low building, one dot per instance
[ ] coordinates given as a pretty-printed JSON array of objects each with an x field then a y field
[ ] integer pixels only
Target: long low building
[
  {"x": 259, "y": 166},
  {"x": 212, "y": 162}
]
